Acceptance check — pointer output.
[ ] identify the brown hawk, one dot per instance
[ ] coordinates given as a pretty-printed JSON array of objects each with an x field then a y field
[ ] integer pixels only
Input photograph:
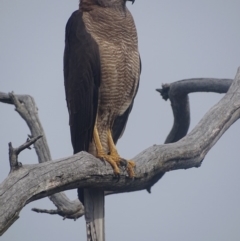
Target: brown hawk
[{"x": 101, "y": 72}]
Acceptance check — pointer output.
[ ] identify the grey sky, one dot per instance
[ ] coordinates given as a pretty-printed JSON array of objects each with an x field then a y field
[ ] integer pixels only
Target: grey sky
[{"x": 177, "y": 40}]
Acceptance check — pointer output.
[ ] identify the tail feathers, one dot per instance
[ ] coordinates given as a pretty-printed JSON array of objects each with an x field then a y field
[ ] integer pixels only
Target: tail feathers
[
  {"x": 91, "y": 232},
  {"x": 94, "y": 214}
]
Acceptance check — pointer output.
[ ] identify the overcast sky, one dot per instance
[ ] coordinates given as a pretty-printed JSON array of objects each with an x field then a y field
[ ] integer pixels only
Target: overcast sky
[{"x": 177, "y": 40}]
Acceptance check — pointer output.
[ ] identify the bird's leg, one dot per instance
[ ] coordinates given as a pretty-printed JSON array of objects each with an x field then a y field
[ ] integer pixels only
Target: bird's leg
[
  {"x": 102, "y": 155},
  {"x": 116, "y": 157}
]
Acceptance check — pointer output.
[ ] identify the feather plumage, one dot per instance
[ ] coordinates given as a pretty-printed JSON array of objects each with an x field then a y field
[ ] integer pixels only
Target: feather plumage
[{"x": 101, "y": 73}]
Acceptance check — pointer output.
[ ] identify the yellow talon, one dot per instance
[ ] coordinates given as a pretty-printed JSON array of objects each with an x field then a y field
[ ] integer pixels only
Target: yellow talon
[
  {"x": 130, "y": 168},
  {"x": 114, "y": 158}
]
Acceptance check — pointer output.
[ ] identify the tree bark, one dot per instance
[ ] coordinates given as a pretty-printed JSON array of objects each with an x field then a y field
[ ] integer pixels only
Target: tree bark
[
  {"x": 31, "y": 182},
  {"x": 177, "y": 93},
  {"x": 27, "y": 109}
]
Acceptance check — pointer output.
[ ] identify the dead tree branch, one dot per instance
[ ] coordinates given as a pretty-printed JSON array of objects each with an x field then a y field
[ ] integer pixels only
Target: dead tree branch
[
  {"x": 26, "y": 107},
  {"x": 14, "y": 152},
  {"x": 177, "y": 93},
  {"x": 32, "y": 182}
]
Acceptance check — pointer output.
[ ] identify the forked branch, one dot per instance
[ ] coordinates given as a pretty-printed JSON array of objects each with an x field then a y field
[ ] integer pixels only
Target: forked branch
[
  {"x": 27, "y": 109},
  {"x": 33, "y": 182},
  {"x": 14, "y": 152},
  {"x": 177, "y": 92}
]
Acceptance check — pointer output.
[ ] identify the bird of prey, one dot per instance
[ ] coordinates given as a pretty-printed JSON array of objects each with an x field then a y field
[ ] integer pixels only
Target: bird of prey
[{"x": 101, "y": 74}]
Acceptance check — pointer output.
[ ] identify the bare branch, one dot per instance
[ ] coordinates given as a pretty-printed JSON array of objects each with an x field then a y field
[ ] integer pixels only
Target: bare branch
[
  {"x": 68, "y": 210},
  {"x": 178, "y": 92},
  {"x": 5, "y": 98},
  {"x": 52, "y": 212},
  {"x": 58, "y": 212},
  {"x": 27, "y": 144},
  {"x": 14, "y": 152},
  {"x": 82, "y": 170},
  {"x": 26, "y": 107}
]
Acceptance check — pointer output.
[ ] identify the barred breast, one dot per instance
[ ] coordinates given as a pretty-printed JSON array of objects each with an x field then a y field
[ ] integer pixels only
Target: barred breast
[{"x": 115, "y": 33}]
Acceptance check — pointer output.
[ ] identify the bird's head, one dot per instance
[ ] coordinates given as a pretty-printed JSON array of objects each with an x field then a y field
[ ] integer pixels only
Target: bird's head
[
  {"x": 104, "y": 3},
  {"x": 113, "y": 2},
  {"x": 130, "y": 1}
]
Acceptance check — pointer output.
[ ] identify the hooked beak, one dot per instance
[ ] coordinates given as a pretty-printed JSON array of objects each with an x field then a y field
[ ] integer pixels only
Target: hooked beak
[{"x": 131, "y": 1}]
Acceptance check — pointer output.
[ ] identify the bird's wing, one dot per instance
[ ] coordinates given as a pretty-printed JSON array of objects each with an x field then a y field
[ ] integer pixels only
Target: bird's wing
[
  {"x": 121, "y": 121},
  {"x": 82, "y": 75}
]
